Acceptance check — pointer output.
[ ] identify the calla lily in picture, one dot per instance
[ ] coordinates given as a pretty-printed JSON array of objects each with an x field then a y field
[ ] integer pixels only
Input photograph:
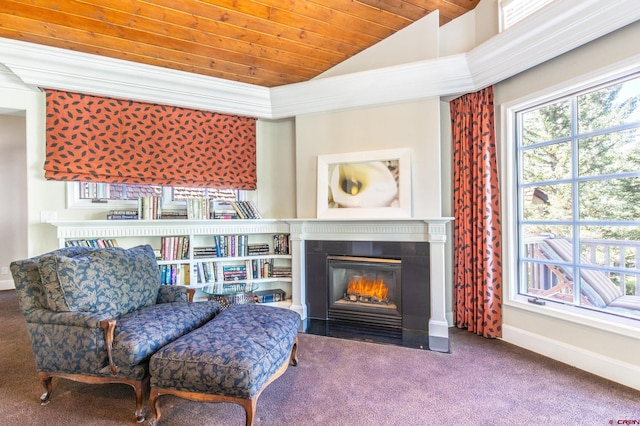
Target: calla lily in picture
[{"x": 363, "y": 185}]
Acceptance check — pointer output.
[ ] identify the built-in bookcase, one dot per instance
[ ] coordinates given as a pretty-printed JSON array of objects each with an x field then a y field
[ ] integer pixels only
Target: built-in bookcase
[{"x": 221, "y": 254}]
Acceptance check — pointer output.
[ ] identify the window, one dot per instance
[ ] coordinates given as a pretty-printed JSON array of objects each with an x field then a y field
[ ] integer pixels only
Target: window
[
  {"x": 578, "y": 208},
  {"x": 116, "y": 195},
  {"x": 514, "y": 11}
]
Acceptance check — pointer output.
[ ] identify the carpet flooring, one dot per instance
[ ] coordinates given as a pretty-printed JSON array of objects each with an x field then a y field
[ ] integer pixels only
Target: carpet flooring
[{"x": 343, "y": 382}]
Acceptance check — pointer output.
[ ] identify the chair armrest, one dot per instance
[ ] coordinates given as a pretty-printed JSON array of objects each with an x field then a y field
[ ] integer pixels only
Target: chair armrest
[
  {"x": 172, "y": 293},
  {"x": 109, "y": 327},
  {"x": 87, "y": 320},
  {"x": 73, "y": 319}
]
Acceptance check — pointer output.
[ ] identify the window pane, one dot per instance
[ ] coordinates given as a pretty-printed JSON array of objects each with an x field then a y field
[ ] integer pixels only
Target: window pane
[
  {"x": 182, "y": 193},
  {"x": 547, "y": 202},
  {"x": 614, "y": 152},
  {"x": 610, "y": 199},
  {"x": 116, "y": 191},
  {"x": 610, "y": 106},
  {"x": 136, "y": 191},
  {"x": 547, "y": 123},
  {"x": 531, "y": 232},
  {"x": 604, "y": 266},
  {"x": 546, "y": 163}
]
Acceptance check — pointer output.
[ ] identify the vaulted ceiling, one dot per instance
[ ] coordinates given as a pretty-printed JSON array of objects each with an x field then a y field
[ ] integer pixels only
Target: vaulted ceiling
[{"x": 264, "y": 42}]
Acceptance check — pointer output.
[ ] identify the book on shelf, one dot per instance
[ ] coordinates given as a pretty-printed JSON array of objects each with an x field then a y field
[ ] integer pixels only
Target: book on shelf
[
  {"x": 174, "y": 248},
  {"x": 257, "y": 249},
  {"x": 149, "y": 207},
  {"x": 281, "y": 243},
  {"x": 246, "y": 210},
  {"x": 223, "y": 210},
  {"x": 281, "y": 271},
  {"x": 175, "y": 274},
  {"x": 269, "y": 296},
  {"x": 231, "y": 245},
  {"x": 122, "y": 215},
  {"x": 198, "y": 208},
  {"x": 93, "y": 242},
  {"x": 180, "y": 214},
  {"x": 203, "y": 252}
]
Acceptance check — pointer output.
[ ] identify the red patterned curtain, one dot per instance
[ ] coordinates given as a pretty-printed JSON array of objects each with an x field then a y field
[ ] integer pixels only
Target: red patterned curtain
[
  {"x": 477, "y": 240},
  {"x": 97, "y": 139}
]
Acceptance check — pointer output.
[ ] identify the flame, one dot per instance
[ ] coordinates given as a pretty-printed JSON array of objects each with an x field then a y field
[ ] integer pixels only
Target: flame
[{"x": 368, "y": 288}]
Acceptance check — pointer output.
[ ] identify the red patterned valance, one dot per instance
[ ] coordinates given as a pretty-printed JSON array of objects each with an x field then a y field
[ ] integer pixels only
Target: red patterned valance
[{"x": 97, "y": 139}]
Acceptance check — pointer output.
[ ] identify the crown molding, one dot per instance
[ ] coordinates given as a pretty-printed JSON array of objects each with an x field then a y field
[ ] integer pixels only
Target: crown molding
[
  {"x": 86, "y": 73},
  {"x": 556, "y": 29}
]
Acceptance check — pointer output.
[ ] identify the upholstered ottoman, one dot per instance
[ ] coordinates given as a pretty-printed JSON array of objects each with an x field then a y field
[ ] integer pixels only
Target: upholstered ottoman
[{"x": 232, "y": 358}]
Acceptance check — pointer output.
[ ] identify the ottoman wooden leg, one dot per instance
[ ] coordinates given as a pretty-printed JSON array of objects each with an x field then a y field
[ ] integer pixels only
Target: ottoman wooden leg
[{"x": 154, "y": 404}]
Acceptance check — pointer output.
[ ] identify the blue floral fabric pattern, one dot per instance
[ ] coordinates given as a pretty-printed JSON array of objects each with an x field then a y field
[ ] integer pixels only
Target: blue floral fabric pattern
[
  {"x": 233, "y": 355},
  {"x": 140, "y": 333},
  {"x": 74, "y": 342},
  {"x": 26, "y": 276},
  {"x": 111, "y": 280},
  {"x": 172, "y": 293}
]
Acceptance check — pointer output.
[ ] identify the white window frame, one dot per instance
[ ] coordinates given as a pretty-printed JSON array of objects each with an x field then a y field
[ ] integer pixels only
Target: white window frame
[
  {"x": 75, "y": 202},
  {"x": 513, "y": 11},
  {"x": 509, "y": 193}
]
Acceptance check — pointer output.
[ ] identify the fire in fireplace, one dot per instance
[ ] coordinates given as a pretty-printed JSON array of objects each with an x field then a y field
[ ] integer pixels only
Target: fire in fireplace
[{"x": 365, "y": 290}]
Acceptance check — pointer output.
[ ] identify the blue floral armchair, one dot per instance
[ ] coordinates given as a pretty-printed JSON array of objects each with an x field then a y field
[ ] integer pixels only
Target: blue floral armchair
[{"x": 97, "y": 315}]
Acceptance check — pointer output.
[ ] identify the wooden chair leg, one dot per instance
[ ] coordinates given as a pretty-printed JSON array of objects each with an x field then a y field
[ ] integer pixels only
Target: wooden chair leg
[
  {"x": 46, "y": 381},
  {"x": 294, "y": 353},
  {"x": 141, "y": 391}
]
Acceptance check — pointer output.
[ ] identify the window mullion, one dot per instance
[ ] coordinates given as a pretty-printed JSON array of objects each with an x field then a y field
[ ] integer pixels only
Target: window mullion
[{"x": 575, "y": 205}]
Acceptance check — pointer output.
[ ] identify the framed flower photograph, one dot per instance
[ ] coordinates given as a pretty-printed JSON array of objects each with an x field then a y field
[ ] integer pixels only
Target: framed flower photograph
[{"x": 369, "y": 184}]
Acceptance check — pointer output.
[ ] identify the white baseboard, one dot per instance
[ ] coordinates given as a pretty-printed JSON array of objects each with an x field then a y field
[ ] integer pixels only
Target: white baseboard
[
  {"x": 609, "y": 368},
  {"x": 7, "y": 285}
]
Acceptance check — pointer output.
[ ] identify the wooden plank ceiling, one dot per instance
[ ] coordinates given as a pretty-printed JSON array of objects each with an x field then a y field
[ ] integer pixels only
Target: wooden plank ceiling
[{"x": 264, "y": 42}]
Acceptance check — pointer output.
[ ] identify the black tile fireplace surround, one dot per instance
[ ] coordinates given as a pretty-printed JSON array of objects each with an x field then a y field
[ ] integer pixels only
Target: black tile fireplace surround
[{"x": 415, "y": 291}]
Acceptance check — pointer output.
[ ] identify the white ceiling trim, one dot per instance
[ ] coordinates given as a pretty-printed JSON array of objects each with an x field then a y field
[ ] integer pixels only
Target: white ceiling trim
[{"x": 556, "y": 29}]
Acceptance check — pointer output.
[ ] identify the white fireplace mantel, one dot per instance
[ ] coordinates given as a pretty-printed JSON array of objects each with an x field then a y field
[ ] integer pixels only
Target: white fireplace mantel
[{"x": 432, "y": 230}]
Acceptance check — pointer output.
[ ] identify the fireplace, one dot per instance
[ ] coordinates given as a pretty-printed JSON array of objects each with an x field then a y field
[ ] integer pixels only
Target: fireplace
[
  {"x": 402, "y": 266},
  {"x": 419, "y": 243},
  {"x": 365, "y": 290}
]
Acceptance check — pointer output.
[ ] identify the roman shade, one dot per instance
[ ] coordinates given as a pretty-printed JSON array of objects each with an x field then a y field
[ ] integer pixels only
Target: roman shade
[{"x": 97, "y": 139}]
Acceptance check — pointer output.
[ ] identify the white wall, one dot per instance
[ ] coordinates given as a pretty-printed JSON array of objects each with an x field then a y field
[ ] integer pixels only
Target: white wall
[
  {"x": 418, "y": 41},
  {"x": 275, "y": 148},
  {"x": 13, "y": 192},
  {"x": 414, "y": 125},
  {"x": 597, "y": 346}
]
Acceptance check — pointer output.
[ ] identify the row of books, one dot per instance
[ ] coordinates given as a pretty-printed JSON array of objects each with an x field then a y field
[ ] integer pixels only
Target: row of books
[
  {"x": 176, "y": 274},
  {"x": 94, "y": 242},
  {"x": 150, "y": 208},
  {"x": 209, "y": 272},
  {"x": 281, "y": 244},
  {"x": 235, "y": 210},
  {"x": 135, "y": 214},
  {"x": 198, "y": 208},
  {"x": 174, "y": 248},
  {"x": 238, "y": 245},
  {"x": 246, "y": 210}
]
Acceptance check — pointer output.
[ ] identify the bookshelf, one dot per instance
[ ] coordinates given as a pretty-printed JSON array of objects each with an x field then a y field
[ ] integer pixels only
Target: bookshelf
[{"x": 200, "y": 253}]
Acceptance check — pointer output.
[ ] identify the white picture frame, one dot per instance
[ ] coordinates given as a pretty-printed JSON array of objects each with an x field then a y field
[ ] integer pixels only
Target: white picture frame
[{"x": 365, "y": 185}]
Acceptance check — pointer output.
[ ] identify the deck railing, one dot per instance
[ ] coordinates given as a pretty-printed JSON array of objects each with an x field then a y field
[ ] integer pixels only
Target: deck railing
[{"x": 619, "y": 260}]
